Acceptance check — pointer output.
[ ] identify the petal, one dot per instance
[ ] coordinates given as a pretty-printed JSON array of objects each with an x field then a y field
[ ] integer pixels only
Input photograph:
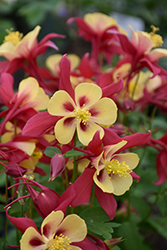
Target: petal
[
  {"x": 83, "y": 187},
  {"x": 104, "y": 111},
  {"x": 41, "y": 100},
  {"x": 74, "y": 248},
  {"x": 131, "y": 159},
  {"x": 96, "y": 163},
  {"x": 27, "y": 146},
  {"x": 103, "y": 182},
  {"x": 110, "y": 150},
  {"x": 73, "y": 227},
  {"x": 99, "y": 22},
  {"x": 32, "y": 240},
  {"x": 65, "y": 129},
  {"x": 144, "y": 43},
  {"x": 50, "y": 223},
  {"x": 87, "y": 94},
  {"x": 65, "y": 83},
  {"x": 39, "y": 123},
  {"x": 121, "y": 184},
  {"x": 95, "y": 145},
  {"x": 74, "y": 61},
  {"x": 29, "y": 88},
  {"x": 30, "y": 38},
  {"x": 61, "y": 104},
  {"x": 53, "y": 63},
  {"x": 87, "y": 131},
  {"x": 157, "y": 54},
  {"x": 66, "y": 198},
  {"x": 133, "y": 140},
  {"x": 107, "y": 202},
  {"x": 22, "y": 223}
]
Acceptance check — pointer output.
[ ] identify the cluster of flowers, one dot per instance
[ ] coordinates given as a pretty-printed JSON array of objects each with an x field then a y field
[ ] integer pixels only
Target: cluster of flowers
[{"x": 70, "y": 107}]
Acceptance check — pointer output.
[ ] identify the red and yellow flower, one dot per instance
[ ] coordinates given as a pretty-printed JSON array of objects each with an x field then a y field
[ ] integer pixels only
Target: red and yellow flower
[
  {"x": 56, "y": 232},
  {"x": 113, "y": 170},
  {"x": 82, "y": 114}
]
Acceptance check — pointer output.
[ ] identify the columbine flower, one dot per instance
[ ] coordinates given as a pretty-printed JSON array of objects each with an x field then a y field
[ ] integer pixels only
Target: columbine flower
[
  {"x": 142, "y": 50},
  {"x": 56, "y": 232},
  {"x": 83, "y": 114},
  {"x": 15, "y": 45},
  {"x": 53, "y": 62},
  {"x": 93, "y": 27},
  {"x": 113, "y": 170}
]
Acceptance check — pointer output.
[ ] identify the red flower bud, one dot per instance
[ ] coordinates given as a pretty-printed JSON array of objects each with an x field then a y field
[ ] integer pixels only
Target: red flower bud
[{"x": 57, "y": 166}]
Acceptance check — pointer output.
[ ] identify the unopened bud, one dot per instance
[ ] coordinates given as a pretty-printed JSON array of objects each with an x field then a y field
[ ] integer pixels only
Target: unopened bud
[{"x": 57, "y": 166}]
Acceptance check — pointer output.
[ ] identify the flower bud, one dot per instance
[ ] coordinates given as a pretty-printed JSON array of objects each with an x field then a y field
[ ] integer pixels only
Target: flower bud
[{"x": 57, "y": 166}]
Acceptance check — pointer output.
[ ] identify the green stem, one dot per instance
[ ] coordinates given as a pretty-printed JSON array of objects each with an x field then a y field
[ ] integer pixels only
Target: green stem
[
  {"x": 75, "y": 169},
  {"x": 6, "y": 224},
  {"x": 93, "y": 197},
  {"x": 153, "y": 205},
  {"x": 31, "y": 209},
  {"x": 152, "y": 116},
  {"x": 15, "y": 127},
  {"x": 66, "y": 177},
  {"x": 134, "y": 88}
]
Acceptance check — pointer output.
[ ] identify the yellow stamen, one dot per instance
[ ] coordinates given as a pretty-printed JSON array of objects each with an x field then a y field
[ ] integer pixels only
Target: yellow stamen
[
  {"x": 60, "y": 242},
  {"x": 82, "y": 115},
  {"x": 37, "y": 154},
  {"x": 157, "y": 39},
  {"x": 115, "y": 167},
  {"x": 13, "y": 37}
]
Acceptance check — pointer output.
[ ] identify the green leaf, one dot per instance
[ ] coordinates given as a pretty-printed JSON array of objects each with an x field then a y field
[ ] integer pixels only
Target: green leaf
[
  {"x": 51, "y": 151},
  {"x": 159, "y": 224},
  {"x": 140, "y": 205},
  {"x": 162, "y": 204},
  {"x": 72, "y": 153},
  {"x": 133, "y": 239},
  {"x": 98, "y": 221},
  {"x": 116, "y": 248}
]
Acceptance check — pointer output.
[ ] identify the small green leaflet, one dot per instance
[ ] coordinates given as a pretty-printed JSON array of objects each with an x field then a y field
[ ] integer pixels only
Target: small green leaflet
[
  {"x": 98, "y": 222},
  {"x": 51, "y": 151},
  {"x": 72, "y": 153}
]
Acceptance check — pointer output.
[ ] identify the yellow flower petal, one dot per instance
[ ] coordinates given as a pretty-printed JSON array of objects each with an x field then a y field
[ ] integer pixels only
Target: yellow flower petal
[
  {"x": 74, "y": 248},
  {"x": 82, "y": 164},
  {"x": 87, "y": 94},
  {"x": 32, "y": 240},
  {"x": 99, "y": 22},
  {"x": 121, "y": 184},
  {"x": 30, "y": 38},
  {"x": 104, "y": 111},
  {"x": 41, "y": 101},
  {"x": 27, "y": 146},
  {"x": 74, "y": 61},
  {"x": 110, "y": 150},
  {"x": 61, "y": 104},
  {"x": 53, "y": 63},
  {"x": 65, "y": 129},
  {"x": 51, "y": 222},
  {"x": 103, "y": 181},
  {"x": 130, "y": 159},
  {"x": 87, "y": 131},
  {"x": 73, "y": 227},
  {"x": 29, "y": 87}
]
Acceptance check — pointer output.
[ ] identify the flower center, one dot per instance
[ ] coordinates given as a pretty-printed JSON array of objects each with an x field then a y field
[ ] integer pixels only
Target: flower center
[
  {"x": 157, "y": 39},
  {"x": 60, "y": 242},
  {"x": 82, "y": 115},
  {"x": 115, "y": 167},
  {"x": 37, "y": 153},
  {"x": 13, "y": 37}
]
